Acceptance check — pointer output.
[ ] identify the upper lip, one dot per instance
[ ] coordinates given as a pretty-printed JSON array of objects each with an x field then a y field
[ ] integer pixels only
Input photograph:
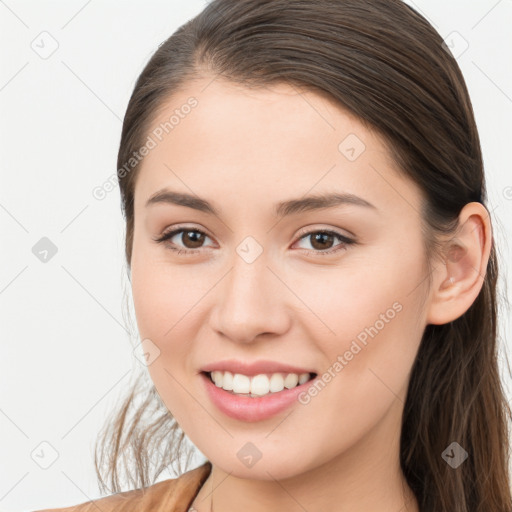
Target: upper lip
[{"x": 254, "y": 368}]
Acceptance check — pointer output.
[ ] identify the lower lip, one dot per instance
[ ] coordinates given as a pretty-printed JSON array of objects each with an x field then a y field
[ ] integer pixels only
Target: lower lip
[{"x": 246, "y": 408}]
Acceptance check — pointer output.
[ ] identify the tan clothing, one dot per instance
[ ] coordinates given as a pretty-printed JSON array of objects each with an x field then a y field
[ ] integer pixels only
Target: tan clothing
[{"x": 173, "y": 495}]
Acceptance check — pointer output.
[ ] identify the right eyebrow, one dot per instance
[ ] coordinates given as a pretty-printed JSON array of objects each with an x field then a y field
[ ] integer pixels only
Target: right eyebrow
[{"x": 182, "y": 199}]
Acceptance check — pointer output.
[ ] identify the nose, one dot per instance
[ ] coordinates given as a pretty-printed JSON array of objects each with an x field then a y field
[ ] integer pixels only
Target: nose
[{"x": 250, "y": 301}]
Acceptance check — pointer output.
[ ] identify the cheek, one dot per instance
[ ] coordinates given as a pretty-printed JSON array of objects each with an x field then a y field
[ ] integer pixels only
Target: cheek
[
  {"x": 364, "y": 380},
  {"x": 368, "y": 323},
  {"x": 366, "y": 289},
  {"x": 367, "y": 375},
  {"x": 160, "y": 312},
  {"x": 149, "y": 300},
  {"x": 159, "y": 292},
  {"x": 164, "y": 297},
  {"x": 165, "y": 313}
]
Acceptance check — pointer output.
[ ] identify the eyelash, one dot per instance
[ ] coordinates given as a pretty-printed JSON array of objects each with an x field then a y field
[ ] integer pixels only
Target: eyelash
[{"x": 343, "y": 246}]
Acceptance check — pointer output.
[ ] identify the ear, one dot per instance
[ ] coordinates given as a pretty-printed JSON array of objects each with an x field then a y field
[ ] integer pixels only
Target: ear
[{"x": 459, "y": 277}]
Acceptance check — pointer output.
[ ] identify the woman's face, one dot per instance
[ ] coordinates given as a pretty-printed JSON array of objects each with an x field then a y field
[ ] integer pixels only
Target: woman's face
[{"x": 263, "y": 284}]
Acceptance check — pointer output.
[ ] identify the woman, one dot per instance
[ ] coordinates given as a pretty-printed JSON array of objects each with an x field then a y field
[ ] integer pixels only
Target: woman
[{"x": 312, "y": 267}]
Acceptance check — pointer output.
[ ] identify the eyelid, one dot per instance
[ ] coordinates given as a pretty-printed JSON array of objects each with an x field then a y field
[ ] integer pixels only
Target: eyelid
[
  {"x": 303, "y": 233},
  {"x": 314, "y": 229},
  {"x": 174, "y": 230},
  {"x": 346, "y": 241}
]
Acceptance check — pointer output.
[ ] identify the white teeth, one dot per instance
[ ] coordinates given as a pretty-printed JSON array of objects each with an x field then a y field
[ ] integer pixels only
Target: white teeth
[
  {"x": 276, "y": 383},
  {"x": 227, "y": 381},
  {"x": 259, "y": 385},
  {"x": 291, "y": 380},
  {"x": 303, "y": 377},
  {"x": 217, "y": 378},
  {"x": 241, "y": 383}
]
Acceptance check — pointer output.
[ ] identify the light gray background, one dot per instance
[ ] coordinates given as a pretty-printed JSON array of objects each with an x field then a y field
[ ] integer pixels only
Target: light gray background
[{"x": 66, "y": 357}]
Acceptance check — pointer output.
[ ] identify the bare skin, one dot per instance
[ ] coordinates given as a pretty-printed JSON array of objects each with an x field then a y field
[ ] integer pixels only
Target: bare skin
[{"x": 244, "y": 151}]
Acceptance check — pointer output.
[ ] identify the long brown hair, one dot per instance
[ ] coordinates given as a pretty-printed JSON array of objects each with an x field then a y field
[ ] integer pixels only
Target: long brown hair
[{"x": 386, "y": 64}]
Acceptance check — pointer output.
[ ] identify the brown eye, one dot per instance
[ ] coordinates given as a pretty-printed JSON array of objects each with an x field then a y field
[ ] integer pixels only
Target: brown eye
[
  {"x": 190, "y": 239},
  {"x": 322, "y": 241}
]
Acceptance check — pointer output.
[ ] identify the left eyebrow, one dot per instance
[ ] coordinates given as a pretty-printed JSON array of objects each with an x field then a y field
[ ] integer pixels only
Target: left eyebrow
[
  {"x": 318, "y": 202},
  {"x": 283, "y": 209}
]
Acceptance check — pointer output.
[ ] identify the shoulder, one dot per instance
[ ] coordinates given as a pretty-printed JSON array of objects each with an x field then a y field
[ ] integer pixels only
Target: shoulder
[{"x": 175, "y": 494}]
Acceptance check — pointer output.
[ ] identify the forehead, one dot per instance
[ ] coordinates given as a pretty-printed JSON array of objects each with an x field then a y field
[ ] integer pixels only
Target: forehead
[{"x": 218, "y": 139}]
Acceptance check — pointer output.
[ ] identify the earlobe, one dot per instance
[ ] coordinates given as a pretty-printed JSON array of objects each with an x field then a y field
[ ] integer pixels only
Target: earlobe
[{"x": 459, "y": 276}]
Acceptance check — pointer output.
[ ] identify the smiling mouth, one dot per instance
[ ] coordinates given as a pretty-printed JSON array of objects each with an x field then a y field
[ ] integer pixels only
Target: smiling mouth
[{"x": 258, "y": 385}]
